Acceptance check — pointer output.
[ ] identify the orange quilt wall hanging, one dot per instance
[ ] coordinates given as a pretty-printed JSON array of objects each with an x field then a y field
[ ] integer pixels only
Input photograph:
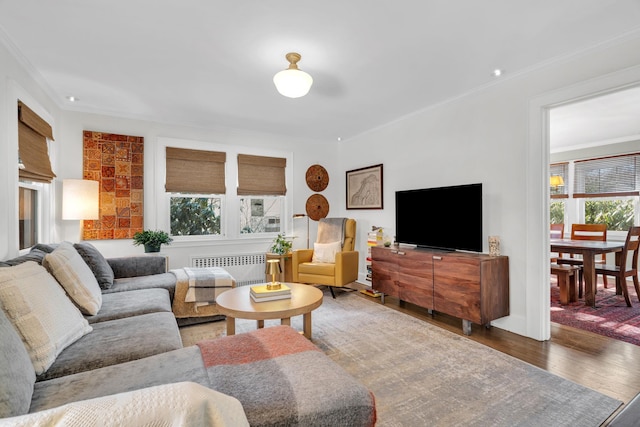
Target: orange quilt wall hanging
[{"x": 117, "y": 163}]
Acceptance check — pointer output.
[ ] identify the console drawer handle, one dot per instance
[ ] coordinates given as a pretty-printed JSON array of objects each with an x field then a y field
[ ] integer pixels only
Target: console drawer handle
[{"x": 437, "y": 257}]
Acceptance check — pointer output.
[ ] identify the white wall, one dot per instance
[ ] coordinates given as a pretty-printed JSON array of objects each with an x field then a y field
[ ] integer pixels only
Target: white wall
[{"x": 487, "y": 137}]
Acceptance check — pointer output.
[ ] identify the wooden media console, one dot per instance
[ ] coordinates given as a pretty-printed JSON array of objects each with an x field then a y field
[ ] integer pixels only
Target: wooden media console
[{"x": 471, "y": 286}]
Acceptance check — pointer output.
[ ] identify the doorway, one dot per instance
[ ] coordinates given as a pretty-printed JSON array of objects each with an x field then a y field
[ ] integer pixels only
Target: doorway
[{"x": 595, "y": 127}]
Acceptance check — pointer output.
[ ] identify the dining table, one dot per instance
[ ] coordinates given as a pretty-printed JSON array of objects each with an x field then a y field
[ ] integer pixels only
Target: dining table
[{"x": 588, "y": 249}]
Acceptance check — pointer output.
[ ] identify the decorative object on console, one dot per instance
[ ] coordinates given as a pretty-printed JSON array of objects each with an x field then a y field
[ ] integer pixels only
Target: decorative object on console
[
  {"x": 273, "y": 268},
  {"x": 80, "y": 199},
  {"x": 317, "y": 178},
  {"x": 364, "y": 188},
  {"x": 151, "y": 239},
  {"x": 317, "y": 207},
  {"x": 117, "y": 163},
  {"x": 293, "y": 82},
  {"x": 494, "y": 245}
]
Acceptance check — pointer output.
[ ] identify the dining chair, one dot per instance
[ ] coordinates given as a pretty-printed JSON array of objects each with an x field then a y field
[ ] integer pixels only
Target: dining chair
[
  {"x": 622, "y": 271},
  {"x": 596, "y": 232},
  {"x": 556, "y": 232}
]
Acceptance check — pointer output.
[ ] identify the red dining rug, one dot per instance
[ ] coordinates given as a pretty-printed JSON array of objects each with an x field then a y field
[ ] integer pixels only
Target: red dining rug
[{"x": 611, "y": 317}]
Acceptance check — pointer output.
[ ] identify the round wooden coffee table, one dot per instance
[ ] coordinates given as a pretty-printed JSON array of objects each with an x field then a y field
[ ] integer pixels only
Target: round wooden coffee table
[{"x": 237, "y": 302}]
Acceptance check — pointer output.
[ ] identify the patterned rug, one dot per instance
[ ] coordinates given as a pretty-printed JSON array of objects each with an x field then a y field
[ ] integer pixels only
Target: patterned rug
[
  {"x": 611, "y": 317},
  {"x": 423, "y": 375}
]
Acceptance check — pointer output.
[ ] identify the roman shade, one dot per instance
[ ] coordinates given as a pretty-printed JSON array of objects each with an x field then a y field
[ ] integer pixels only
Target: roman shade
[
  {"x": 262, "y": 176},
  {"x": 33, "y": 133},
  {"x": 195, "y": 171},
  {"x": 608, "y": 176}
]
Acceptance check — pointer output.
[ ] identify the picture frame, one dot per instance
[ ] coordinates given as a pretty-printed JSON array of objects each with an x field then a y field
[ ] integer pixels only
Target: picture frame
[{"x": 364, "y": 188}]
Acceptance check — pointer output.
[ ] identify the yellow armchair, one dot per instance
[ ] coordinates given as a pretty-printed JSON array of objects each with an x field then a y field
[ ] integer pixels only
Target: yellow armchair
[{"x": 339, "y": 273}]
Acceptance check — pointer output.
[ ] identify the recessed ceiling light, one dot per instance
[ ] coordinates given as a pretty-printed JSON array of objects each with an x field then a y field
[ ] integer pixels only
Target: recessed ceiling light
[
  {"x": 71, "y": 98},
  {"x": 339, "y": 138},
  {"x": 497, "y": 72}
]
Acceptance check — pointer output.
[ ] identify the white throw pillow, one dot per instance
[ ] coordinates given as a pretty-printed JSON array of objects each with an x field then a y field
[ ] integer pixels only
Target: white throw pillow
[
  {"x": 326, "y": 252},
  {"x": 45, "y": 318},
  {"x": 75, "y": 276}
]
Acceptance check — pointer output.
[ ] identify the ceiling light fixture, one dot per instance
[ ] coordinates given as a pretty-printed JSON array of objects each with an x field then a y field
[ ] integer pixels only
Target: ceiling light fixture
[
  {"x": 497, "y": 72},
  {"x": 292, "y": 82}
]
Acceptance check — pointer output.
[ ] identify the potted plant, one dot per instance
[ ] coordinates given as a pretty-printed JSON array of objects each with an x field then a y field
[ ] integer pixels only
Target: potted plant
[
  {"x": 281, "y": 245},
  {"x": 151, "y": 239}
]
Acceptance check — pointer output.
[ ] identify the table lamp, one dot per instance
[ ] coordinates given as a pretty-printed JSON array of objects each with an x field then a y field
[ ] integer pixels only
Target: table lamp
[{"x": 273, "y": 268}]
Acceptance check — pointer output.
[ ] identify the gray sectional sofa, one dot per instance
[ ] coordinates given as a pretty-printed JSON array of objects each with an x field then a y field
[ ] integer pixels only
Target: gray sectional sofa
[{"x": 132, "y": 344}]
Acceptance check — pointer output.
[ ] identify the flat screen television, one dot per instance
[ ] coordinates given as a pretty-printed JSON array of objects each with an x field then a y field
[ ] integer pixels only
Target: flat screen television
[{"x": 447, "y": 218}]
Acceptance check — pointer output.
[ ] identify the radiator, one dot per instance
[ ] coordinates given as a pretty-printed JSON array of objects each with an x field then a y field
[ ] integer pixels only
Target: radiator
[{"x": 246, "y": 269}]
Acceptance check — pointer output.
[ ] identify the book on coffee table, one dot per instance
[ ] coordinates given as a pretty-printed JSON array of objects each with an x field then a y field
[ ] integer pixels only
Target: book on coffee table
[
  {"x": 270, "y": 297},
  {"x": 262, "y": 291}
]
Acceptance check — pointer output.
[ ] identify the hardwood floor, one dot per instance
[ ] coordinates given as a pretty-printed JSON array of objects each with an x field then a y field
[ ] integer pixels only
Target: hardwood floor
[{"x": 594, "y": 361}]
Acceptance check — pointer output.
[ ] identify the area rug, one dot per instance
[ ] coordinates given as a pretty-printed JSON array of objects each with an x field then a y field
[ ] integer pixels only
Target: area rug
[
  {"x": 611, "y": 317},
  {"x": 423, "y": 375}
]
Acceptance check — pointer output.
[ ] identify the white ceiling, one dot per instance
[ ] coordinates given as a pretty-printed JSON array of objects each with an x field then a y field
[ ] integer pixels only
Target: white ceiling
[
  {"x": 606, "y": 119},
  {"x": 210, "y": 63}
]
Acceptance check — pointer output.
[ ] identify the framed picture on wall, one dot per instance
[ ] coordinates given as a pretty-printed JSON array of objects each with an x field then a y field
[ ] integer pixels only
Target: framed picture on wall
[{"x": 364, "y": 188}]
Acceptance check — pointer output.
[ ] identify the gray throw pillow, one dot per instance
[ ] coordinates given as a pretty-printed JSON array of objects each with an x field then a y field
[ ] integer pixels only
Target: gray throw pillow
[
  {"x": 34, "y": 255},
  {"x": 16, "y": 371},
  {"x": 97, "y": 263},
  {"x": 45, "y": 247}
]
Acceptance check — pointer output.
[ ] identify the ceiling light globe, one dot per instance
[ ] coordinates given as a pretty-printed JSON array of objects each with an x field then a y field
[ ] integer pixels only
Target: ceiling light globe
[{"x": 293, "y": 83}]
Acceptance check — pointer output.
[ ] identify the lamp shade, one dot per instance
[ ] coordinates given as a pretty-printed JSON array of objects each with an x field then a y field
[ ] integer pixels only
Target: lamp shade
[
  {"x": 80, "y": 199},
  {"x": 273, "y": 267},
  {"x": 292, "y": 82},
  {"x": 556, "y": 181}
]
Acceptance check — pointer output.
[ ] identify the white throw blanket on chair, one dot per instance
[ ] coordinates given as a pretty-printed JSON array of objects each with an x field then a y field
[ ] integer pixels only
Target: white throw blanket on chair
[{"x": 331, "y": 230}]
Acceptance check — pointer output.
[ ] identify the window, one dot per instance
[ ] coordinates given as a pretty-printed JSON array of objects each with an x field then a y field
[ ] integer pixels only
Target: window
[
  {"x": 559, "y": 180},
  {"x": 262, "y": 178},
  {"x": 617, "y": 213},
  {"x": 557, "y": 212},
  {"x": 261, "y": 214},
  {"x": 28, "y": 218},
  {"x": 195, "y": 215},
  {"x": 34, "y": 173},
  {"x": 609, "y": 176},
  {"x": 195, "y": 181},
  {"x": 604, "y": 191},
  {"x": 208, "y": 198}
]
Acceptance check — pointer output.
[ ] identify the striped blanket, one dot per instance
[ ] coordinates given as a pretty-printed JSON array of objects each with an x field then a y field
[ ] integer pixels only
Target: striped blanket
[
  {"x": 205, "y": 284},
  {"x": 282, "y": 378}
]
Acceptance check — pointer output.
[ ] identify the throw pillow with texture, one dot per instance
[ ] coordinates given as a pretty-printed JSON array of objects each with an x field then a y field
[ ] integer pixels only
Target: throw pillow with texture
[
  {"x": 44, "y": 317},
  {"x": 97, "y": 263},
  {"x": 75, "y": 276},
  {"x": 326, "y": 252}
]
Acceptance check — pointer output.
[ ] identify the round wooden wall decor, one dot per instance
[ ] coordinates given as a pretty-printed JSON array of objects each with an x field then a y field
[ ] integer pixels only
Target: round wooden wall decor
[
  {"x": 317, "y": 207},
  {"x": 317, "y": 178}
]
